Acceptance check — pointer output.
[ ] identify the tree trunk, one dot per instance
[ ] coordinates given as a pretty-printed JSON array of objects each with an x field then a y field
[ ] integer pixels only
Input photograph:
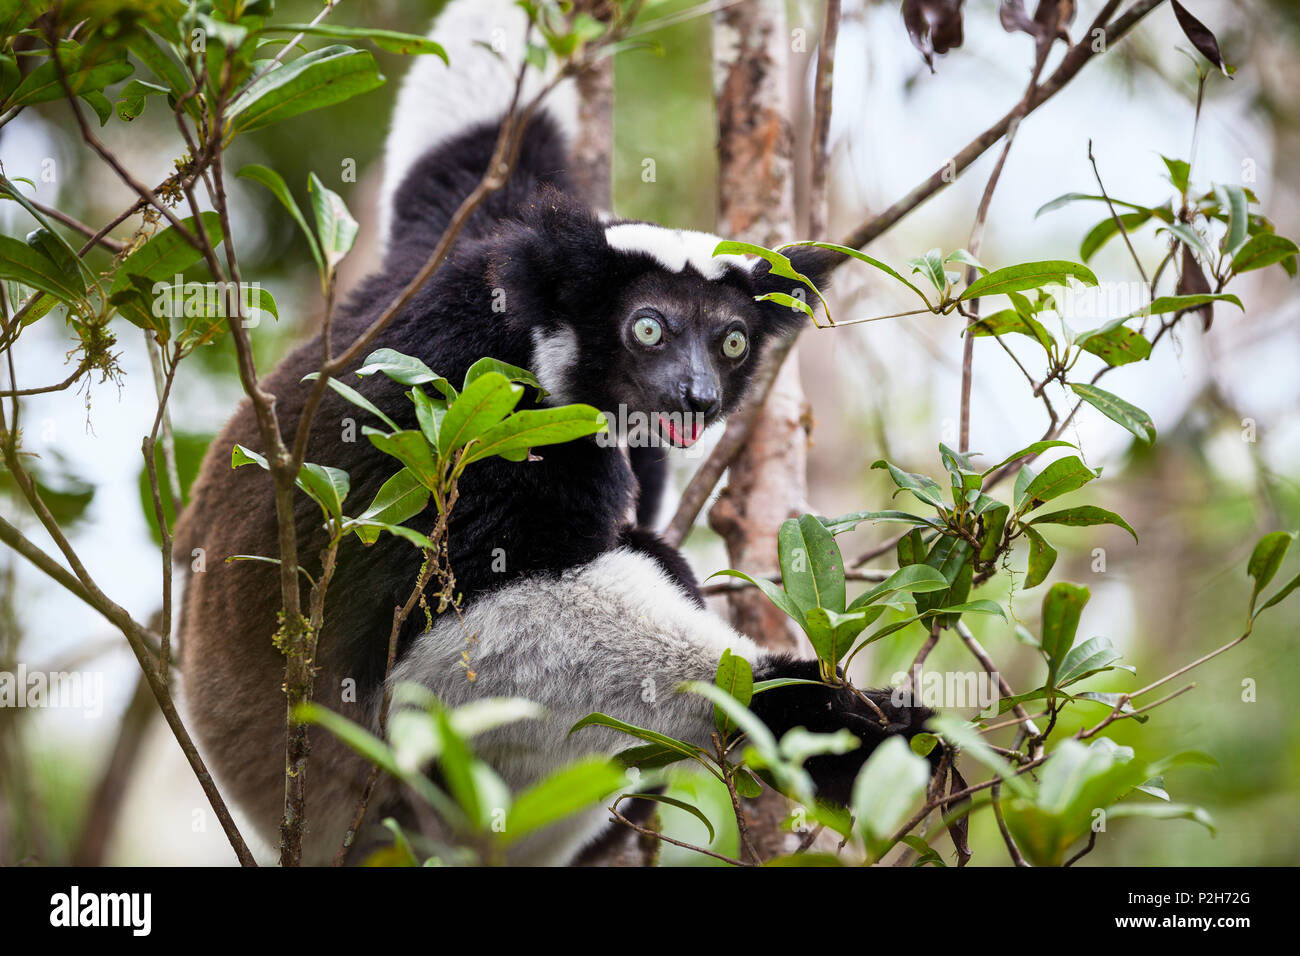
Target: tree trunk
[{"x": 767, "y": 480}]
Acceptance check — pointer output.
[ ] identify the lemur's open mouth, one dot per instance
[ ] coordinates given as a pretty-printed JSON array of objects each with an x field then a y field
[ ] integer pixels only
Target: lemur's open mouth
[{"x": 685, "y": 431}]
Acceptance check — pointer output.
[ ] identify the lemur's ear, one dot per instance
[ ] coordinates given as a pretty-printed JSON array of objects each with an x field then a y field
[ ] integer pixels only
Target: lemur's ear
[
  {"x": 810, "y": 261},
  {"x": 551, "y": 260}
]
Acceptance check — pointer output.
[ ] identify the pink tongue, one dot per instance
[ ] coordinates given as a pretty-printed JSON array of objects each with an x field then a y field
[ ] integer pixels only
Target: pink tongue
[{"x": 696, "y": 429}]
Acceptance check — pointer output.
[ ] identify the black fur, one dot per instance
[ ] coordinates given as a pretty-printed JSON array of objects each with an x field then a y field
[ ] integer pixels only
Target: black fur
[
  {"x": 826, "y": 709},
  {"x": 650, "y": 465}
]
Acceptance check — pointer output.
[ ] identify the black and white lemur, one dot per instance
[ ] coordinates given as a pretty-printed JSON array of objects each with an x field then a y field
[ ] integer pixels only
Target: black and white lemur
[{"x": 588, "y": 610}]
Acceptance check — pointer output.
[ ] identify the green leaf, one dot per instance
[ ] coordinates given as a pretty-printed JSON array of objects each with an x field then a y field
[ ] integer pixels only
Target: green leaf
[
  {"x": 1262, "y": 250},
  {"x": 1163, "y": 811},
  {"x": 484, "y": 403},
  {"x": 1060, "y": 477},
  {"x": 1084, "y": 660},
  {"x": 1037, "y": 448},
  {"x": 1107, "y": 229},
  {"x": 533, "y": 428},
  {"x": 1189, "y": 237},
  {"x": 745, "y": 783},
  {"x": 995, "y": 522},
  {"x": 890, "y": 782},
  {"x": 1084, "y": 516},
  {"x": 972, "y": 607},
  {"x": 833, "y": 633},
  {"x": 789, "y": 301},
  {"x": 405, "y": 369},
  {"x": 275, "y": 183},
  {"x": 922, "y": 486},
  {"x": 850, "y": 521},
  {"x": 398, "y": 499},
  {"x": 913, "y": 578},
  {"x": 314, "y": 80},
  {"x": 1179, "y": 173},
  {"x": 429, "y": 413},
  {"x": 335, "y": 227},
  {"x": 772, "y": 591},
  {"x": 1028, "y": 275},
  {"x": 779, "y": 264},
  {"x": 1068, "y": 198},
  {"x": 649, "y": 757},
  {"x": 368, "y": 529},
  {"x": 354, "y": 735},
  {"x": 930, "y": 265},
  {"x": 964, "y": 257},
  {"x": 130, "y": 102},
  {"x": 951, "y": 557},
  {"x": 32, "y": 267},
  {"x": 1281, "y": 595},
  {"x": 563, "y": 793},
  {"x": 1116, "y": 346},
  {"x": 410, "y": 448},
  {"x": 408, "y": 44},
  {"x": 1180, "y": 303},
  {"x": 650, "y": 736},
  {"x": 923, "y": 744},
  {"x": 512, "y": 372},
  {"x": 244, "y": 456},
  {"x": 812, "y": 569},
  {"x": 1012, "y": 320},
  {"x": 736, "y": 677},
  {"x": 44, "y": 84},
  {"x": 1265, "y": 559},
  {"x": 1233, "y": 199},
  {"x": 1041, "y": 558},
  {"x": 355, "y": 397},
  {"x": 861, "y": 256},
  {"x": 679, "y": 804},
  {"x": 1062, "y": 608},
  {"x": 1117, "y": 410},
  {"x": 164, "y": 67},
  {"x": 326, "y": 486}
]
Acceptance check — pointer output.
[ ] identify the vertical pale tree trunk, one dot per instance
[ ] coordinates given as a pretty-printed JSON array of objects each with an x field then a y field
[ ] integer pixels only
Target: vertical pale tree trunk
[
  {"x": 593, "y": 154},
  {"x": 767, "y": 480},
  {"x": 594, "y": 150}
]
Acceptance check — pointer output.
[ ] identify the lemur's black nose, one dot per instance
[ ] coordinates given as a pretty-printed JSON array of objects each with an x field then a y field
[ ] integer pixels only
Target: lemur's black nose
[{"x": 703, "y": 399}]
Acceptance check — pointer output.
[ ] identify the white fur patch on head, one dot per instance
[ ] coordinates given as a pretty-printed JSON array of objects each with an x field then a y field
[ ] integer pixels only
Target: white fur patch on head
[
  {"x": 555, "y": 356},
  {"x": 674, "y": 249}
]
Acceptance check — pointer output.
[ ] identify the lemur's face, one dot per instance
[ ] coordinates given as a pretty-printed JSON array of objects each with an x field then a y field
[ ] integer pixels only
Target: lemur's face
[
  {"x": 683, "y": 350},
  {"x": 658, "y": 333}
]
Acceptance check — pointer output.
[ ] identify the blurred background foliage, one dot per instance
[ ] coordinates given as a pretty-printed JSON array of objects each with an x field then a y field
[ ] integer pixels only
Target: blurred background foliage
[{"x": 1199, "y": 498}]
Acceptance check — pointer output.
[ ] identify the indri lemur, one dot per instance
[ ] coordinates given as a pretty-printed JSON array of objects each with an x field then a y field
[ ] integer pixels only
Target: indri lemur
[{"x": 588, "y": 610}]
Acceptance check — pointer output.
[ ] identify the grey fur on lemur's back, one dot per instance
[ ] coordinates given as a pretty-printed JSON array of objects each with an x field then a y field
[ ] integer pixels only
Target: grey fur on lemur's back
[{"x": 614, "y": 636}]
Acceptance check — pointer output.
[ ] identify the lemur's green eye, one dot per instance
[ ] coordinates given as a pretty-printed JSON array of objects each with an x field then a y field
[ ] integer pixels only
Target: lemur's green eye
[
  {"x": 647, "y": 331},
  {"x": 733, "y": 346}
]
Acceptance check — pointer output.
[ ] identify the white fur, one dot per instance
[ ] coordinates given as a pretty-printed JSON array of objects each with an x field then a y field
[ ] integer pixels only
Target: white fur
[
  {"x": 554, "y": 357},
  {"x": 674, "y": 249},
  {"x": 616, "y": 636},
  {"x": 438, "y": 101}
]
